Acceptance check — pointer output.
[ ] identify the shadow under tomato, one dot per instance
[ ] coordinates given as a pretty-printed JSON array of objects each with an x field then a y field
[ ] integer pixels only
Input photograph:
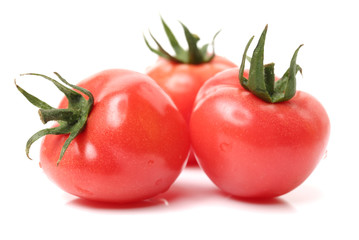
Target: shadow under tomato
[
  {"x": 276, "y": 204},
  {"x": 264, "y": 201},
  {"x": 189, "y": 193},
  {"x": 84, "y": 203},
  {"x": 179, "y": 195}
]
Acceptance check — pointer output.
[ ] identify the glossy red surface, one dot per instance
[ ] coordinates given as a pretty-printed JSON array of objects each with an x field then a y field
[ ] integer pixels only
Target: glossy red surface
[
  {"x": 251, "y": 148},
  {"x": 133, "y": 147},
  {"x": 182, "y": 81}
]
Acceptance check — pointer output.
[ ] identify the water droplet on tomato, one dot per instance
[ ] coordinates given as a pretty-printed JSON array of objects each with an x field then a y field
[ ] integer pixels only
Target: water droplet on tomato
[
  {"x": 150, "y": 162},
  {"x": 225, "y": 147}
]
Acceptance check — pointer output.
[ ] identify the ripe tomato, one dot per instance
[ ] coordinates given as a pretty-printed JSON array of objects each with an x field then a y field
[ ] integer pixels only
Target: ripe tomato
[
  {"x": 133, "y": 147},
  {"x": 182, "y": 81},
  {"x": 181, "y": 76},
  {"x": 249, "y": 147}
]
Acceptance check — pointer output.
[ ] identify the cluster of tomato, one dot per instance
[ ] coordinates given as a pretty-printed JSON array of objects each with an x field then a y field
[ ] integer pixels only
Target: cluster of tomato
[{"x": 123, "y": 136}]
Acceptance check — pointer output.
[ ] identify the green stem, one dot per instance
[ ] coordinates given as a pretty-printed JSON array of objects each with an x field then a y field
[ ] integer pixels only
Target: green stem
[
  {"x": 194, "y": 54},
  {"x": 47, "y": 115},
  {"x": 72, "y": 120},
  {"x": 261, "y": 80}
]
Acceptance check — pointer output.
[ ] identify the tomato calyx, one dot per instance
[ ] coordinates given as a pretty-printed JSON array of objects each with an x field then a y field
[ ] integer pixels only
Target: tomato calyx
[
  {"x": 194, "y": 54},
  {"x": 71, "y": 120},
  {"x": 261, "y": 80}
]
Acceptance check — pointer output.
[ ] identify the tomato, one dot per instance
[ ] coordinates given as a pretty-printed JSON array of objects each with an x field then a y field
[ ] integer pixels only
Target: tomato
[
  {"x": 182, "y": 81},
  {"x": 133, "y": 147},
  {"x": 252, "y": 148},
  {"x": 181, "y": 76}
]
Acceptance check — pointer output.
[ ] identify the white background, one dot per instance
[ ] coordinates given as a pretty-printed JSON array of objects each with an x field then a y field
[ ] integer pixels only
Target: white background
[{"x": 80, "y": 38}]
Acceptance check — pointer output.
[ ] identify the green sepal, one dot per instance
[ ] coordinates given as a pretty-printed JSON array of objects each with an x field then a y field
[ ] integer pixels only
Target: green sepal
[
  {"x": 261, "y": 80},
  {"x": 160, "y": 51},
  {"x": 71, "y": 120},
  {"x": 32, "y": 99},
  {"x": 194, "y": 54},
  {"x": 180, "y": 52}
]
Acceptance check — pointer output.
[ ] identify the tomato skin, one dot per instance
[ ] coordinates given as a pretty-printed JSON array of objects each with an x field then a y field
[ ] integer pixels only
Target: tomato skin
[
  {"x": 182, "y": 81},
  {"x": 250, "y": 148},
  {"x": 133, "y": 147}
]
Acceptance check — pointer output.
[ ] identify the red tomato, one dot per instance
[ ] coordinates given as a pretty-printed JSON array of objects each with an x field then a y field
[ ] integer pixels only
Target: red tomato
[
  {"x": 251, "y": 148},
  {"x": 181, "y": 75},
  {"x": 133, "y": 147},
  {"x": 182, "y": 81}
]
